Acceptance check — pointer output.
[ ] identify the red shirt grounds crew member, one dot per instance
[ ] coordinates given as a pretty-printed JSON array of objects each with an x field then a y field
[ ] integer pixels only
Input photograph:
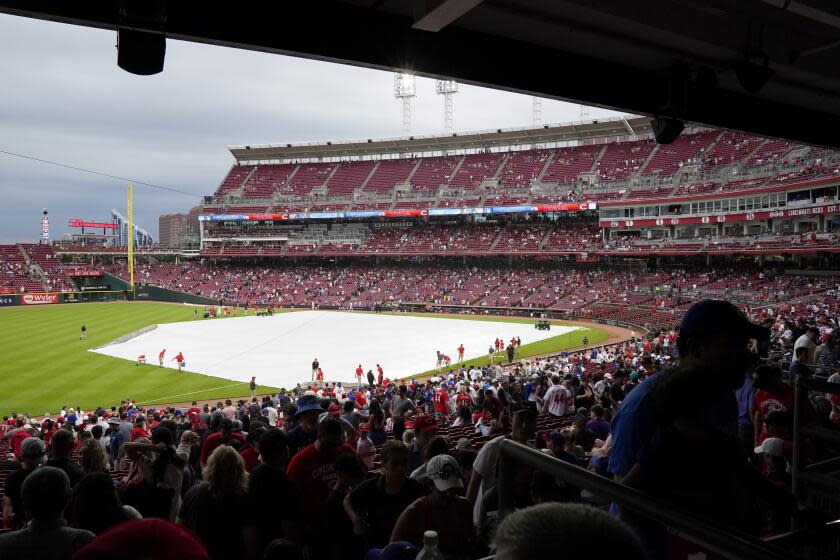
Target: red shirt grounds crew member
[
  {"x": 160, "y": 357},
  {"x": 179, "y": 359},
  {"x": 460, "y": 353},
  {"x": 381, "y": 373},
  {"x": 359, "y": 372}
]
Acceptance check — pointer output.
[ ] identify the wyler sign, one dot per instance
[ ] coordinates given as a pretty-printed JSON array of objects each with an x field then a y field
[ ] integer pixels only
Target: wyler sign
[{"x": 38, "y": 299}]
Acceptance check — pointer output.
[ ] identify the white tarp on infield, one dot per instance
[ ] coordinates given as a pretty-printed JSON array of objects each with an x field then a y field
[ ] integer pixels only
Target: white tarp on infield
[{"x": 279, "y": 350}]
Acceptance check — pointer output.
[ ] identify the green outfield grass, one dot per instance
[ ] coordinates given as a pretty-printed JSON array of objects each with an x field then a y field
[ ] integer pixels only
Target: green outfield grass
[
  {"x": 555, "y": 344},
  {"x": 45, "y": 365}
]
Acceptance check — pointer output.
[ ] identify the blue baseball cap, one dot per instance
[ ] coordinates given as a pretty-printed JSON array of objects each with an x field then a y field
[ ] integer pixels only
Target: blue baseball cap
[
  {"x": 400, "y": 550},
  {"x": 712, "y": 316},
  {"x": 307, "y": 403}
]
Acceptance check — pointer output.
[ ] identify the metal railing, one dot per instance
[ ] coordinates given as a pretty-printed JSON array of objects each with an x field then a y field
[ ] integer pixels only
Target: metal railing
[
  {"x": 713, "y": 537},
  {"x": 816, "y": 485}
]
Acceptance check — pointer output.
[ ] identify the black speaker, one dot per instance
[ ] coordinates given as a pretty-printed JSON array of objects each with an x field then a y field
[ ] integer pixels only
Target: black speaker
[
  {"x": 752, "y": 77},
  {"x": 139, "y": 52},
  {"x": 666, "y": 129}
]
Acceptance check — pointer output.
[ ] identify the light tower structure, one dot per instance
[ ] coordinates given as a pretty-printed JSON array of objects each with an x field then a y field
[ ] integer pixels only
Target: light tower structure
[
  {"x": 536, "y": 111},
  {"x": 447, "y": 88},
  {"x": 405, "y": 88},
  {"x": 584, "y": 112}
]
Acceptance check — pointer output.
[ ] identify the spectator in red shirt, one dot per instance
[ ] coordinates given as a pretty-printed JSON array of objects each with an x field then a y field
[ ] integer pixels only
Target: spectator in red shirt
[
  {"x": 441, "y": 401},
  {"x": 463, "y": 398},
  {"x": 313, "y": 470},
  {"x": 493, "y": 405},
  {"x": 23, "y": 432},
  {"x": 771, "y": 395},
  {"x": 193, "y": 409},
  {"x": 139, "y": 430},
  {"x": 225, "y": 436},
  {"x": 251, "y": 454},
  {"x": 361, "y": 400}
]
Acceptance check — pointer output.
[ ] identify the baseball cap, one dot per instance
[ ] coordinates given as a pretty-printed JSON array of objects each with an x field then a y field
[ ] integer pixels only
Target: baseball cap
[
  {"x": 307, "y": 403},
  {"x": 772, "y": 446},
  {"x": 444, "y": 471},
  {"x": 556, "y": 437},
  {"x": 464, "y": 444},
  {"x": 114, "y": 421},
  {"x": 363, "y": 428},
  {"x": 400, "y": 550},
  {"x": 32, "y": 447},
  {"x": 717, "y": 316},
  {"x": 425, "y": 423},
  {"x": 145, "y": 538}
]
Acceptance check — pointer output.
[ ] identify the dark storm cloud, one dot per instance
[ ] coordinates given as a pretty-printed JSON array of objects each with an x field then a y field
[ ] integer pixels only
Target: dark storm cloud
[{"x": 64, "y": 99}]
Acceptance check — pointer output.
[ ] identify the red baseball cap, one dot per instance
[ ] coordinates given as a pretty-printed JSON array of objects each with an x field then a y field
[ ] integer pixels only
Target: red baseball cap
[
  {"x": 425, "y": 423},
  {"x": 145, "y": 538}
]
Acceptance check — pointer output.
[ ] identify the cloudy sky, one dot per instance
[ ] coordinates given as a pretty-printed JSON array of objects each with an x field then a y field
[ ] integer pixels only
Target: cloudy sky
[{"x": 64, "y": 99}]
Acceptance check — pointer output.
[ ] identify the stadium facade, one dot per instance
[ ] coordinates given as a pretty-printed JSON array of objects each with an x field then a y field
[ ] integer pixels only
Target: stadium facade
[{"x": 586, "y": 190}]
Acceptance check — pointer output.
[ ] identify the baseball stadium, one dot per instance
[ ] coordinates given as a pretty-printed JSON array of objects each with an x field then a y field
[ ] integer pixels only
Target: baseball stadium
[{"x": 614, "y": 335}]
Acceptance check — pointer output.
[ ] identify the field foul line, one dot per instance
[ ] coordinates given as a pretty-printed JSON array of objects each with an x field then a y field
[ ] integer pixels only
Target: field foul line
[{"x": 168, "y": 399}]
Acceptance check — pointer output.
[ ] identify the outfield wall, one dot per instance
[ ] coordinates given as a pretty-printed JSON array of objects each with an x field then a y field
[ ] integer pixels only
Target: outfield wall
[{"x": 154, "y": 293}]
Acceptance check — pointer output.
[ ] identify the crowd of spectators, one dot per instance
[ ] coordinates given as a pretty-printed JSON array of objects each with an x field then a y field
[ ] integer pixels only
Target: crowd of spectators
[
  {"x": 375, "y": 466},
  {"x": 534, "y": 237},
  {"x": 643, "y": 297}
]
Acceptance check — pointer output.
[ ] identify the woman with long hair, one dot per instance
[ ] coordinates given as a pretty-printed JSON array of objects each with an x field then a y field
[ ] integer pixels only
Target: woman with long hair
[
  {"x": 376, "y": 423},
  {"x": 92, "y": 457},
  {"x": 217, "y": 510}
]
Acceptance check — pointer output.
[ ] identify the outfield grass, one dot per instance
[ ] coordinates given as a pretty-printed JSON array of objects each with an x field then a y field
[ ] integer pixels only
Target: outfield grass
[
  {"x": 47, "y": 366},
  {"x": 551, "y": 345}
]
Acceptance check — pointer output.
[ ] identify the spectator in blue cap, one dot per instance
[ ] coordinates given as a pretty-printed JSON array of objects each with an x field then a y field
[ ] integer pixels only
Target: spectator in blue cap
[
  {"x": 713, "y": 344},
  {"x": 400, "y": 550},
  {"x": 306, "y": 416}
]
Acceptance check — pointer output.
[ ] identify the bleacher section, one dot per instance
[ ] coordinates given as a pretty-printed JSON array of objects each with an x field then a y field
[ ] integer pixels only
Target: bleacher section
[
  {"x": 55, "y": 277},
  {"x": 715, "y": 161},
  {"x": 14, "y": 273}
]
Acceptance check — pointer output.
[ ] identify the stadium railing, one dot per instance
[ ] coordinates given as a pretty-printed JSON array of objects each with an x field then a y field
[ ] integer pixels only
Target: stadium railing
[{"x": 707, "y": 535}]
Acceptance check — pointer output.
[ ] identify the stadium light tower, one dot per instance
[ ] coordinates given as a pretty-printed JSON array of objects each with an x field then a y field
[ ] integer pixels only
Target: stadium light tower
[
  {"x": 584, "y": 112},
  {"x": 405, "y": 88},
  {"x": 447, "y": 88},
  {"x": 536, "y": 111}
]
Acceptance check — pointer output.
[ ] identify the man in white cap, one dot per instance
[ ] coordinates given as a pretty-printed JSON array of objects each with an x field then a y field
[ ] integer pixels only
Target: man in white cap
[{"x": 442, "y": 511}]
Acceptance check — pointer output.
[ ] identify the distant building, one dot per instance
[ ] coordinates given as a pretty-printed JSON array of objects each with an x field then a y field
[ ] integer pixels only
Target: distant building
[
  {"x": 179, "y": 230},
  {"x": 140, "y": 236}
]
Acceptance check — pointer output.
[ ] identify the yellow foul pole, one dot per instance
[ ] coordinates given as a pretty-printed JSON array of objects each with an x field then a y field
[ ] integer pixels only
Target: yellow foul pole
[{"x": 131, "y": 239}]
